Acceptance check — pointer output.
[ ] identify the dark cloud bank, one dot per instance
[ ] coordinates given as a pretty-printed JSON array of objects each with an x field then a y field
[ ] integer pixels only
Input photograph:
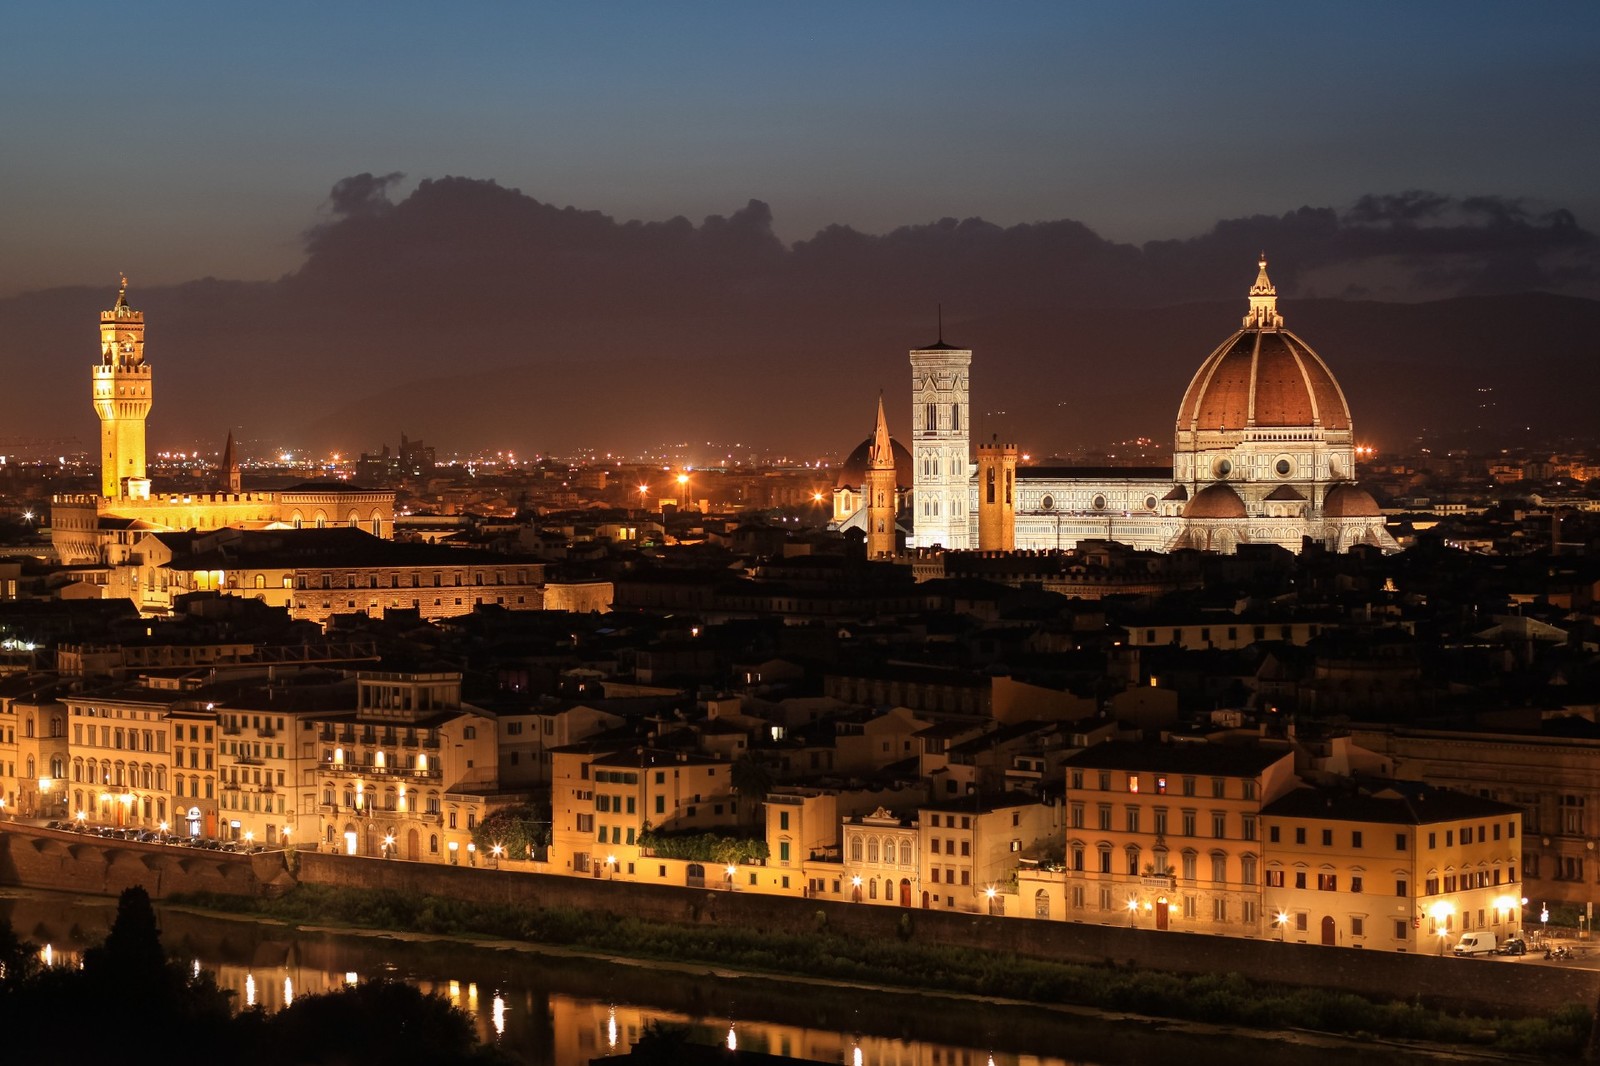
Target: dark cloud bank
[{"x": 475, "y": 315}]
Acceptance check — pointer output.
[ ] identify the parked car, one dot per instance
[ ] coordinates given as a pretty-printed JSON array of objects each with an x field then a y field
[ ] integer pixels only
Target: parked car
[
  {"x": 1476, "y": 944},
  {"x": 1513, "y": 945}
]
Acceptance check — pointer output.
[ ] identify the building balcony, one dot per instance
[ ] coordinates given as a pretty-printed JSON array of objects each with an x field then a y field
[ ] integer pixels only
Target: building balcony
[{"x": 359, "y": 770}]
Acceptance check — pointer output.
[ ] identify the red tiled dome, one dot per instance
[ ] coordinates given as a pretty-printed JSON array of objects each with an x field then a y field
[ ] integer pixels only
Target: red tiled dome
[
  {"x": 1215, "y": 501},
  {"x": 1263, "y": 375},
  {"x": 1349, "y": 501},
  {"x": 1263, "y": 378},
  {"x": 853, "y": 474}
]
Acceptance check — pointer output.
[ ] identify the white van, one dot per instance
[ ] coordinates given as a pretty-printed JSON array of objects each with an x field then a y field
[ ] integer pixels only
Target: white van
[{"x": 1475, "y": 944}]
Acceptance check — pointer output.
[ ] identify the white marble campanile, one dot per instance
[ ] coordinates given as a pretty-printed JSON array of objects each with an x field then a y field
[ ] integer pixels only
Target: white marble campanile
[{"x": 940, "y": 431}]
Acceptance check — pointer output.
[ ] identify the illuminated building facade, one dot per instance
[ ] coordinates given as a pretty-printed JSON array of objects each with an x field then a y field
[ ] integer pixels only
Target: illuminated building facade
[
  {"x": 408, "y": 774},
  {"x": 1396, "y": 867},
  {"x": 1167, "y": 836}
]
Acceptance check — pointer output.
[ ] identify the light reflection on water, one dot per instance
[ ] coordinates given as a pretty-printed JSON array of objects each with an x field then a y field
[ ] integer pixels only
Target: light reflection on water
[
  {"x": 575, "y": 1029},
  {"x": 557, "y": 1029}
]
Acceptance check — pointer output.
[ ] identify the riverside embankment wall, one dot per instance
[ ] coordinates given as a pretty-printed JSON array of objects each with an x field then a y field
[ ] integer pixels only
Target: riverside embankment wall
[
  {"x": 40, "y": 858},
  {"x": 1478, "y": 985}
]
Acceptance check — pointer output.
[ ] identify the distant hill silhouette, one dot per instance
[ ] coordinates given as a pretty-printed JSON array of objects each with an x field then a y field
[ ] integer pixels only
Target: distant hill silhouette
[{"x": 475, "y": 316}]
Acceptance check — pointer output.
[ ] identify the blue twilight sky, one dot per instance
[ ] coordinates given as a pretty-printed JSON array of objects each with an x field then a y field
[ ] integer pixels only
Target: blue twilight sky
[{"x": 178, "y": 140}]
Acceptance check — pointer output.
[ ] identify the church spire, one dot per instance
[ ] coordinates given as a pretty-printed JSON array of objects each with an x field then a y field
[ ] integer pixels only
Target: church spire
[
  {"x": 881, "y": 491},
  {"x": 229, "y": 472},
  {"x": 1263, "y": 301},
  {"x": 881, "y": 455}
]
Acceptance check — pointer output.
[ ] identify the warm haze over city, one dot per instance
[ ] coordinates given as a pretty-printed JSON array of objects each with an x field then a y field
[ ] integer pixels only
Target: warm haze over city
[{"x": 612, "y": 229}]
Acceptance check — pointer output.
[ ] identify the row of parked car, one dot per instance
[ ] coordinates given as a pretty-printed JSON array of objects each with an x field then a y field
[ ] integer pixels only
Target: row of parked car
[{"x": 152, "y": 836}]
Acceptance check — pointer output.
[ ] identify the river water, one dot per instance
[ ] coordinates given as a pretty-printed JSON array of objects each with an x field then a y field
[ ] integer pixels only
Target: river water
[{"x": 558, "y": 1010}]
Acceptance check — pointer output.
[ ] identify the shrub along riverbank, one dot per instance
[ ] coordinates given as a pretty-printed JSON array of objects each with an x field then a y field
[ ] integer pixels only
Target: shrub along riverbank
[{"x": 905, "y": 962}]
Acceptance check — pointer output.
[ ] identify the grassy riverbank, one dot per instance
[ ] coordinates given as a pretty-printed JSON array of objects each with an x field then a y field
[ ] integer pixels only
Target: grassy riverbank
[{"x": 905, "y": 962}]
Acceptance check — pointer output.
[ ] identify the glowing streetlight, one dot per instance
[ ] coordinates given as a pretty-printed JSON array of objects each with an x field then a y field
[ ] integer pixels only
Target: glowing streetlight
[{"x": 1441, "y": 912}]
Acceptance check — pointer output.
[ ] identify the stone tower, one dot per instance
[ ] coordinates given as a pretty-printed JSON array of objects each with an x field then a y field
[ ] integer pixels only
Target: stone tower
[
  {"x": 997, "y": 497},
  {"x": 881, "y": 491},
  {"x": 229, "y": 479},
  {"x": 939, "y": 448},
  {"x": 122, "y": 398}
]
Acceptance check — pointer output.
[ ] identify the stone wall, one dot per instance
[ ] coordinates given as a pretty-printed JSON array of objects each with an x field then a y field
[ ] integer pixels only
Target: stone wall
[
  {"x": 1481, "y": 985},
  {"x": 41, "y": 858},
  {"x": 72, "y": 862}
]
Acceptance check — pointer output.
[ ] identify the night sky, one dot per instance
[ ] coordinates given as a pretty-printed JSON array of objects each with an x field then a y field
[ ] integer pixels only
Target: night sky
[
  {"x": 1443, "y": 149},
  {"x": 177, "y": 141}
]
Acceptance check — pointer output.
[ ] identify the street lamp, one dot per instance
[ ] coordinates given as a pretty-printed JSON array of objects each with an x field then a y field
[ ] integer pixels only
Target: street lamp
[{"x": 1441, "y": 912}]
